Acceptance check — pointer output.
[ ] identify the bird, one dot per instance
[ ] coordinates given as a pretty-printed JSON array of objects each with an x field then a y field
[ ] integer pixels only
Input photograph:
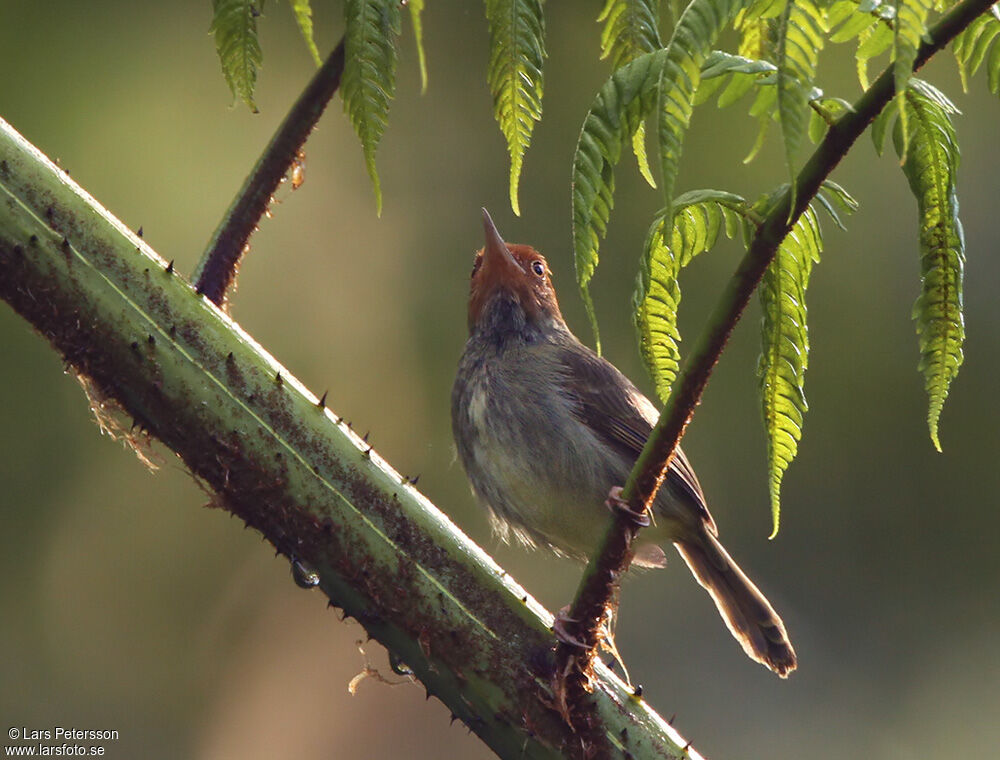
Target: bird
[{"x": 544, "y": 428}]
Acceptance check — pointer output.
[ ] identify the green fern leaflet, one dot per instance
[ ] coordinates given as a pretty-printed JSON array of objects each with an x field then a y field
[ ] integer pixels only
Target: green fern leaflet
[
  {"x": 800, "y": 38},
  {"x": 631, "y": 28},
  {"x": 930, "y": 165},
  {"x": 785, "y": 349},
  {"x": 517, "y": 50},
  {"x": 369, "y": 79},
  {"x": 234, "y": 25},
  {"x": 666, "y": 78},
  {"x": 978, "y": 44},
  {"x": 908, "y": 32},
  {"x": 417, "y": 8},
  {"x": 698, "y": 217},
  {"x": 303, "y": 17}
]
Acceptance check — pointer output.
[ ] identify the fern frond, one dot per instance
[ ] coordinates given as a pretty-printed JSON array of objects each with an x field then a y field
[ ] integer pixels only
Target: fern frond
[
  {"x": 908, "y": 32},
  {"x": 973, "y": 45},
  {"x": 800, "y": 38},
  {"x": 624, "y": 101},
  {"x": 369, "y": 80},
  {"x": 416, "y": 8},
  {"x": 881, "y": 124},
  {"x": 691, "y": 43},
  {"x": 234, "y": 25},
  {"x": 740, "y": 72},
  {"x": 631, "y": 28},
  {"x": 930, "y": 164},
  {"x": 873, "y": 41},
  {"x": 303, "y": 17},
  {"x": 848, "y": 19},
  {"x": 517, "y": 50},
  {"x": 785, "y": 349},
  {"x": 843, "y": 199},
  {"x": 698, "y": 217}
]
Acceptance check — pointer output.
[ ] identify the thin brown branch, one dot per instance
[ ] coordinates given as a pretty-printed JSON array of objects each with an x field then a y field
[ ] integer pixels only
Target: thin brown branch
[
  {"x": 598, "y": 589},
  {"x": 220, "y": 263}
]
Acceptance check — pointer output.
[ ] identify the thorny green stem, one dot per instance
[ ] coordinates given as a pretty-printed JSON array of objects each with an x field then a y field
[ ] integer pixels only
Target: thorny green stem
[
  {"x": 600, "y": 582},
  {"x": 218, "y": 266}
]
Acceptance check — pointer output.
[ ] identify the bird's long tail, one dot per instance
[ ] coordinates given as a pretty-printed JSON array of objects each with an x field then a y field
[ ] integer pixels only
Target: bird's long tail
[{"x": 749, "y": 615}]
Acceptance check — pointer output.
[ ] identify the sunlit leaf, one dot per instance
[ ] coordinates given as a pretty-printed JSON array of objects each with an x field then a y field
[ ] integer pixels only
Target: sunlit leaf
[
  {"x": 785, "y": 349},
  {"x": 517, "y": 51},
  {"x": 303, "y": 17},
  {"x": 800, "y": 38},
  {"x": 930, "y": 165},
  {"x": 416, "y": 8},
  {"x": 908, "y": 31},
  {"x": 978, "y": 43},
  {"x": 873, "y": 41},
  {"x": 698, "y": 217},
  {"x": 234, "y": 25},
  {"x": 667, "y": 78},
  {"x": 631, "y": 28},
  {"x": 369, "y": 80}
]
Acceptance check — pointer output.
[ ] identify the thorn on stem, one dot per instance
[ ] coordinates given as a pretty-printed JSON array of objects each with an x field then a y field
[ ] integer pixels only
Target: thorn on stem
[{"x": 322, "y": 401}]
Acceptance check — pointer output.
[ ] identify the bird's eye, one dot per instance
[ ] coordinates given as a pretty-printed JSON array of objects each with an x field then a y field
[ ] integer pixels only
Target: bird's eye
[{"x": 538, "y": 268}]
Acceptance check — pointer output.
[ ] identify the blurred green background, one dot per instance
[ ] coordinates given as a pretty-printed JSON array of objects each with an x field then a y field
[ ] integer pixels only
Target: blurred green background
[{"x": 127, "y": 605}]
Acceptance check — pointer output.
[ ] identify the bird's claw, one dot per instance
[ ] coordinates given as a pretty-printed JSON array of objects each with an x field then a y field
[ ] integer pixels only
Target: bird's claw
[
  {"x": 561, "y": 628},
  {"x": 618, "y": 505}
]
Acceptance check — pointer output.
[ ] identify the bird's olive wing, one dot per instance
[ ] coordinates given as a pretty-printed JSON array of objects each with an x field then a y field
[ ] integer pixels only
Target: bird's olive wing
[{"x": 609, "y": 404}]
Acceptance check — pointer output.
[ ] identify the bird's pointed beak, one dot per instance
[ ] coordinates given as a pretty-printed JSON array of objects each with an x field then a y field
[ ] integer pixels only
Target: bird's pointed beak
[{"x": 498, "y": 264}]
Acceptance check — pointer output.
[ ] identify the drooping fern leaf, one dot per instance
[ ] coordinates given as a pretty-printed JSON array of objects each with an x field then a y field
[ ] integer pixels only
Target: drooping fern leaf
[
  {"x": 848, "y": 19},
  {"x": 698, "y": 217},
  {"x": 908, "y": 31},
  {"x": 631, "y": 28},
  {"x": 303, "y": 17},
  {"x": 873, "y": 41},
  {"x": 416, "y": 8},
  {"x": 517, "y": 50},
  {"x": 785, "y": 349},
  {"x": 930, "y": 163},
  {"x": 234, "y": 25},
  {"x": 624, "y": 101},
  {"x": 800, "y": 38},
  {"x": 740, "y": 72},
  {"x": 369, "y": 79},
  {"x": 977, "y": 42}
]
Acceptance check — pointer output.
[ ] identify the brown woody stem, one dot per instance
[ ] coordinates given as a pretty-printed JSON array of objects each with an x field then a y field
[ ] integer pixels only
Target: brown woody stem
[{"x": 218, "y": 266}]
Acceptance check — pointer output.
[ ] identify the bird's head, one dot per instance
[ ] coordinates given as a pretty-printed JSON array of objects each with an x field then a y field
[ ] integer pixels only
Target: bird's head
[{"x": 510, "y": 282}]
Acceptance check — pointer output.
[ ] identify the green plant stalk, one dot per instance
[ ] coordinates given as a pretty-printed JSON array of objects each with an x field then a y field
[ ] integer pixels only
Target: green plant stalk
[
  {"x": 219, "y": 264},
  {"x": 600, "y": 579},
  {"x": 284, "y": 463}
]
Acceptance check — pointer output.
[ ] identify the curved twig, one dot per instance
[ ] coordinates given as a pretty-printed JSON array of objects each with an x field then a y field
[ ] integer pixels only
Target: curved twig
[{"x": 218, "y": 266}]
